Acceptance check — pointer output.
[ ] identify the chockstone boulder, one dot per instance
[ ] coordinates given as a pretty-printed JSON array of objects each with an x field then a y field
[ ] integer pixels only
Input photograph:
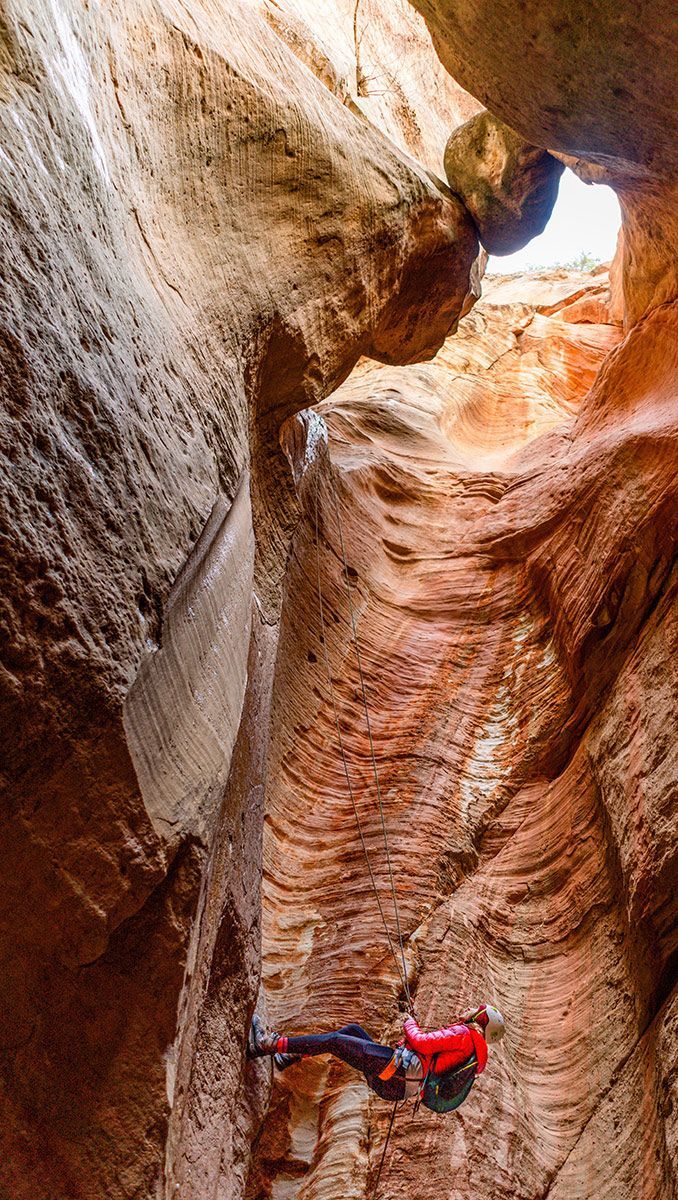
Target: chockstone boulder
[
  {"x": 224, "y": 225},
  {"x": 508, "y": 186}
]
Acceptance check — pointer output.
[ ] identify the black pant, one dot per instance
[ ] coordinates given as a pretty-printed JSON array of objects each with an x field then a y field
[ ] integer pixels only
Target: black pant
[{"x": 353, "y": 1045}]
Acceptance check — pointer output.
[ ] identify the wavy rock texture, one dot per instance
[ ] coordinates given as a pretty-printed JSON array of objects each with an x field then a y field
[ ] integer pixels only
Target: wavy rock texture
[
  {"x": 198, "y": 239},
  {"x": 377, "y": 57},
  {"x": 508, "y": 512}
]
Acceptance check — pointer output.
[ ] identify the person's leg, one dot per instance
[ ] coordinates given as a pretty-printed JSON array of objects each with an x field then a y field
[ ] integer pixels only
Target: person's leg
[
  {"x": 356, "y": 1031},
  {"x": 283, "y": 1061},
  {"x": 387, "y": 1089},
  {"x": 359, "y": 1052}
]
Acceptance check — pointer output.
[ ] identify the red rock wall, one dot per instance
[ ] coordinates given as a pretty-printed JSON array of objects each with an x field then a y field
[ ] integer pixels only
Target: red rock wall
[
  {"x": 510, "y": 538},
  {"x": 198, "y": 238}
]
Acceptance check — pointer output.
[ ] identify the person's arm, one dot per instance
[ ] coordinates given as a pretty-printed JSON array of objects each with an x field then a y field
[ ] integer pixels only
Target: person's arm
[{"x": 452, "y": 1037}]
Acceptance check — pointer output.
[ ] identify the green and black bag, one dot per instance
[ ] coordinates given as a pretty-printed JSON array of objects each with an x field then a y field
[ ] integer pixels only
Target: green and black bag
[{"x": 444, "y": 1092}]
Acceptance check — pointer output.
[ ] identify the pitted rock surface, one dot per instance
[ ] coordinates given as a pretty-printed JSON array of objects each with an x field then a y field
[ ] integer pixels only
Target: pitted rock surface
[{"x": 198, "y": 239}]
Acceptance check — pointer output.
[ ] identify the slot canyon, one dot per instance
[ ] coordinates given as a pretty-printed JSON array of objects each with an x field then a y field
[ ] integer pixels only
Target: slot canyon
[{"x": 258, "y": 382}]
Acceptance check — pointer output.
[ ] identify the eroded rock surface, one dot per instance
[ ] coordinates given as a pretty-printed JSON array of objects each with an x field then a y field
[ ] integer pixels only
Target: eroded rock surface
[
  {"x": 509, "y": 517},
  {"x": 211, "y": 211},
  {"x": 377, "y": 58},
  {"x": 591, "y": 81}
]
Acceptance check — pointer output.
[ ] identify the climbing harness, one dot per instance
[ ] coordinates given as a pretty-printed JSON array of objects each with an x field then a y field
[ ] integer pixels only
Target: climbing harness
[
  {"x": 408, "y": 1063},
  {"x": 399, "y": 961}
]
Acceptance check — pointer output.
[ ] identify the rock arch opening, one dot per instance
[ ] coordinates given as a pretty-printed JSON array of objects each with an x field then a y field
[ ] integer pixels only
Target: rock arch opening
[{"x": 582, "y": 231}]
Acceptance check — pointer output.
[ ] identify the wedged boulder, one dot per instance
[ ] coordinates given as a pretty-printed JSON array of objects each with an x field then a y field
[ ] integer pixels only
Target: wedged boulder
[{"x": 508, "y": 185}]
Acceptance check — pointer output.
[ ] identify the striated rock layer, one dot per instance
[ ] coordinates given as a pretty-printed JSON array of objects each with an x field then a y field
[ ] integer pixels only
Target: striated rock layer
[{"x": 509, "y": 514}]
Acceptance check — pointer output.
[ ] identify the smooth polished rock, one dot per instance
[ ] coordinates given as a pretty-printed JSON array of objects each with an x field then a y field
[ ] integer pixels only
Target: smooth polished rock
[
  {"x": 508, "y": 513},
  {"x": 198, "y": 239}
]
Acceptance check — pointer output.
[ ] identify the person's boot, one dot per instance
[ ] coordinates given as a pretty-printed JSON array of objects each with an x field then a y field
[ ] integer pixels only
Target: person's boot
[
  {"x": 260, "y": 1042},
  {"x": 283, "y": 1061}
]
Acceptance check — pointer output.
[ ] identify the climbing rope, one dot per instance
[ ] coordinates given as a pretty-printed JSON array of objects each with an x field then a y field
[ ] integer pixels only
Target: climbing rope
[
  {"x": 375, "y": 1189},
  {"x": 342, "y": 750},
  {"x": 368, "y": 725},
  {"x": 400, "y": 963}
]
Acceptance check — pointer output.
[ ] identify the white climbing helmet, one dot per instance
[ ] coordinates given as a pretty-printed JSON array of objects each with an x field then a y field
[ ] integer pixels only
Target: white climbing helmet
[{"x": 495, "y": 1028}]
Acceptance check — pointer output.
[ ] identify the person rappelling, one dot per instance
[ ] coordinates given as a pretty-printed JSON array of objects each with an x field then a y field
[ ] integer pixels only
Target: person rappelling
[{"x": 439, "y": 1067}]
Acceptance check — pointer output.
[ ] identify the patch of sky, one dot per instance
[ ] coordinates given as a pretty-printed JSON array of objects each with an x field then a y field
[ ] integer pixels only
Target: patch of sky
[{"x": 581, "y": 233}]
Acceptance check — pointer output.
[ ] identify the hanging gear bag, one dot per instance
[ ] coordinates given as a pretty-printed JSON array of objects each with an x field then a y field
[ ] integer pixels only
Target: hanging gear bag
[{"x": 444, "y": 1092}]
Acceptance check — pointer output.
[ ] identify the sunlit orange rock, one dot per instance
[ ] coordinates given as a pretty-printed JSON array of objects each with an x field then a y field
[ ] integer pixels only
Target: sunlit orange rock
[
  {"x": 198, "y": 239},
  {"x": 210, "y": 213}
]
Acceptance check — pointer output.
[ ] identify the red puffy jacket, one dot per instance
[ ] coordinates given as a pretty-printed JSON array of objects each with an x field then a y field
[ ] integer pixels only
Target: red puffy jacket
[{"x": 453, "y": 1045}]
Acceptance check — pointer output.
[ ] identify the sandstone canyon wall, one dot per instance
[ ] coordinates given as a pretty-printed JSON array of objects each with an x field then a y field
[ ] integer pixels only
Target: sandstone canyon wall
[
  {"x": 198, "y": 239},
  {"x": 517, "y": 628},
  {"x": 211, "y": 212}
]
